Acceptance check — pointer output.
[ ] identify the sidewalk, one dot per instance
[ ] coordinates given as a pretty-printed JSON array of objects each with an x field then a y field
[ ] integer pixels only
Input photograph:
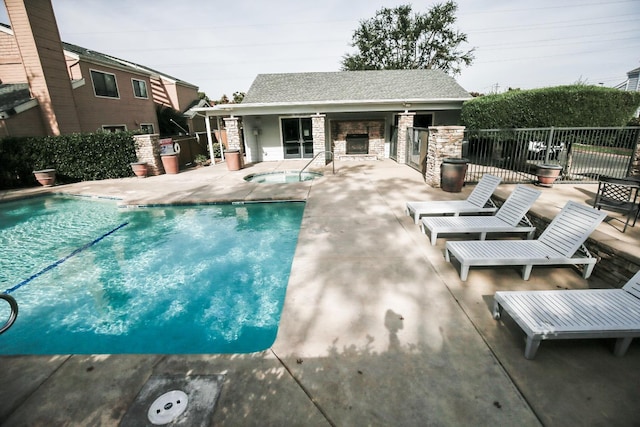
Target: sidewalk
[{"x": 376, "y": 329}]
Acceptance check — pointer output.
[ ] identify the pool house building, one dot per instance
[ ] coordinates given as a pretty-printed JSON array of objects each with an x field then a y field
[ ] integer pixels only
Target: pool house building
[{"x": 353, "y": 114}]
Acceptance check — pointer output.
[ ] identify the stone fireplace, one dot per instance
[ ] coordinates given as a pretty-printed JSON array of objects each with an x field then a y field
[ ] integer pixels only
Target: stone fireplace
[
  {"x": 357, "y": 143},
  {"x": 358, "y": 139}
]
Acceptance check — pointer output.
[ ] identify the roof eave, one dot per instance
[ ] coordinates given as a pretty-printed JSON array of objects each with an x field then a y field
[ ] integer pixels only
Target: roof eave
[{"x": 333, "y": 106}]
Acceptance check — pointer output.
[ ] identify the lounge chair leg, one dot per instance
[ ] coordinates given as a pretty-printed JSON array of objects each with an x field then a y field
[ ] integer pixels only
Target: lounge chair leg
[
  {"x": 434, "y": 238},
  {"x": 588, "y": 269},
  {"x": 622, "y": 344},
  {"x": 447, "y": 257},
  {"x": 464, "y": 272},
  {"x": 531, "y": 234},
  {"x": 497, "y": 310},
  {"x": 531, "y": 348},
  {"x": 526, "y": 271},
  {"x": 483, "y": 235}
]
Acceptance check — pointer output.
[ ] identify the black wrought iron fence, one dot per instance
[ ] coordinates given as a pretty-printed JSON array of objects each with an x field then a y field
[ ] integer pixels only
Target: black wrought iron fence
[{"x": 584, "y": 153}]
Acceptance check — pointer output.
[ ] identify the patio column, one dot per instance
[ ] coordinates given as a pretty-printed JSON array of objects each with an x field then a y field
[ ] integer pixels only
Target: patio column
[
  {"x": 319, "y": 139},
  {"x": 233, "y": 133},
  {"x": 444, "y": 141},
  {"x": 148, "y": 150},
  {"x": 405, "y": 121}
]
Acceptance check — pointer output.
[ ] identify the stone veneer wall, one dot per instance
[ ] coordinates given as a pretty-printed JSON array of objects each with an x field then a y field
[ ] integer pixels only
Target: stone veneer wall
[
  {"x": 444, "y": 141},
  {"x": 405, "y": 121},
  {"x": 374, "y": 128},
  {"x": 148, "y": 150},
  {"x": 317, "y": 126},
  {"x": 233, "y": 133}
]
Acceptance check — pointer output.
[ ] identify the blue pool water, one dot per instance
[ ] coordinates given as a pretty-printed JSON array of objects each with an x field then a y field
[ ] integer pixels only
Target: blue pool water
[{"x": 93, "y": 278}]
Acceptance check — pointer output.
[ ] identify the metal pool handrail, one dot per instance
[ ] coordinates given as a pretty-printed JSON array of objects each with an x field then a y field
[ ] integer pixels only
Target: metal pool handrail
[
  {"x": 14, "y": 311},
  {"x": 333, "y": 164}
]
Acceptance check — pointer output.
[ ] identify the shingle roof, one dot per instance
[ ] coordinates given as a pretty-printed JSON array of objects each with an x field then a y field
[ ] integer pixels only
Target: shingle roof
[
  {"x": 354, "y": 86},
  {"x": 112, "y": 60}
]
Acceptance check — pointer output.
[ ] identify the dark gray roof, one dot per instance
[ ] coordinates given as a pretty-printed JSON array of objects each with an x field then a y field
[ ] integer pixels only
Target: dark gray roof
[
  {"x": 354, "y": 86},
  {"x": 103, "y": 58}
]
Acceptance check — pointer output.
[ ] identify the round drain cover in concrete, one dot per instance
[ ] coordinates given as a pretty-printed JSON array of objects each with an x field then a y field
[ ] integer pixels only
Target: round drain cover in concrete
[{"x": 168, "y": 407}]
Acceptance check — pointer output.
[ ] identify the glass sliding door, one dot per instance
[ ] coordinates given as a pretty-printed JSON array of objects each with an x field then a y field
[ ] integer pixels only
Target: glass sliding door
[{"x": 297, "y": 138}]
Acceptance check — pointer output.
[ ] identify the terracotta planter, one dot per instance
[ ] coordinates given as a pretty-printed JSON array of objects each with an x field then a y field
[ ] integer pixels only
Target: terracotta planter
[
  {"x": 233, "y": 159},
  {"x": 46, "y": 177},
  {"x": 547, "y": 174},
  {"x": 170, "y": 163},
  {"x": 140, "y": 169}
]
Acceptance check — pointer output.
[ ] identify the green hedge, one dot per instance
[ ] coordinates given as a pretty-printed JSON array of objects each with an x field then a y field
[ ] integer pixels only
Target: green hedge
[
  {"x": 561, "y": 106},
  {"x": 76, "y": 157}
]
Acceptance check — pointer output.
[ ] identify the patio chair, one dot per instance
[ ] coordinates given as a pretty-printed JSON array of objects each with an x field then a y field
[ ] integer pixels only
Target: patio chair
[
  {"x": 510, "y": 218},
  {"x": 479, "y": 201},
  {"x": 560, "y": 243},
  {"x": 619, "y": 194},
  {"x": 574, "y": 314}
]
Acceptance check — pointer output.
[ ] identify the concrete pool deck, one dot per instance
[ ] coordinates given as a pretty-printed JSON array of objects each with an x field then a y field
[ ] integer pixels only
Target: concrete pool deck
[{"x": 376, "y": 329}]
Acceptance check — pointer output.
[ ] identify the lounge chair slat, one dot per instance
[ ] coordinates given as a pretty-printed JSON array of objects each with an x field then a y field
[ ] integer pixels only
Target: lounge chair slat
[
  {"x": 477, "y": 202},
  {"x": 567, "y": 314},
  {"x": 558, "y": 244},
  {"x": 508, "y": 219}
]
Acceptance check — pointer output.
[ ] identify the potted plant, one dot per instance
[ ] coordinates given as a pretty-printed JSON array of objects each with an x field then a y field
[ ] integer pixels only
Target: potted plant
[
  {"x": 140, "y": 169},
  {"x": 46, "y": 177},
  {"x": 200, "y": 160},
  {"x": 547, "y": 174}
]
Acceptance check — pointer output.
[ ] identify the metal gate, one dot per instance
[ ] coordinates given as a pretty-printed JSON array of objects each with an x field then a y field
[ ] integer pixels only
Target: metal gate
[
  {"x": 417, "y": 143},
  {"x": 584, "y": 153}
]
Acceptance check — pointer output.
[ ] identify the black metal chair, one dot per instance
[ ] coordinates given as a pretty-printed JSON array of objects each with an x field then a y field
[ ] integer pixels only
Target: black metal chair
[{"x": 621, "y": 195}]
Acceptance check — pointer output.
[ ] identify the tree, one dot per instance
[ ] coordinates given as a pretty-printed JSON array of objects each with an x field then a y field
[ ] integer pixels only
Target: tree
[
  {"x": 223, "y": 100},
  {"x": 238, "y": 97},
  {"x": 398, "y": 39}
]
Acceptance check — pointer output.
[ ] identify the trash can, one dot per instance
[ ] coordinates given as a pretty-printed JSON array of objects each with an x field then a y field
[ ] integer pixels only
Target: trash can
[
  {"x": 234, "y": 161},
  {"x": 452, "y": 172}
]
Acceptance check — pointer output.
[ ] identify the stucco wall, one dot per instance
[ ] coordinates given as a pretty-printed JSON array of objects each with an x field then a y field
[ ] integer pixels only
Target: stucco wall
[{"x": 95, "y": 112}]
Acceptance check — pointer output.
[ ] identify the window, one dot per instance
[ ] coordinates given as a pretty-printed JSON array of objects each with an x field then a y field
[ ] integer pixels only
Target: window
[
  {"x": 139, "y": 88},
  {"x": 147, "y": 127},
  {"x": 114, "y": 128},
  {"x": 104, "y": 84}
]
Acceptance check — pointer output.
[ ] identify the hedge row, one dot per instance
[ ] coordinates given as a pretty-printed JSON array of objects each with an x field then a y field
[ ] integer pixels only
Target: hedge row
[
  {"x": 76, "y": 157},
  {"x": 561, "y": 106}
]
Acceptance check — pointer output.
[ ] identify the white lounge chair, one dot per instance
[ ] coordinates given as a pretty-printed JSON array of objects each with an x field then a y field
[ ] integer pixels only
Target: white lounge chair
[
  {"x": 560, "y": 243},
  {"x": 574, "y": 314},
  {"x": 479, "y": 201},
  {"x": 510, "y": 218}
]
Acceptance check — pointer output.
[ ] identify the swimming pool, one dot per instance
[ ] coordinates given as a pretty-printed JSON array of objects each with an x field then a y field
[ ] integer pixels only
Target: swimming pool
[{"x": 90, "y": 277}]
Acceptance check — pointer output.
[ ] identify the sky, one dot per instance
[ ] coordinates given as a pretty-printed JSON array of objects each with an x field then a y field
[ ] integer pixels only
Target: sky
[{"x": 221, "y": 46}]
